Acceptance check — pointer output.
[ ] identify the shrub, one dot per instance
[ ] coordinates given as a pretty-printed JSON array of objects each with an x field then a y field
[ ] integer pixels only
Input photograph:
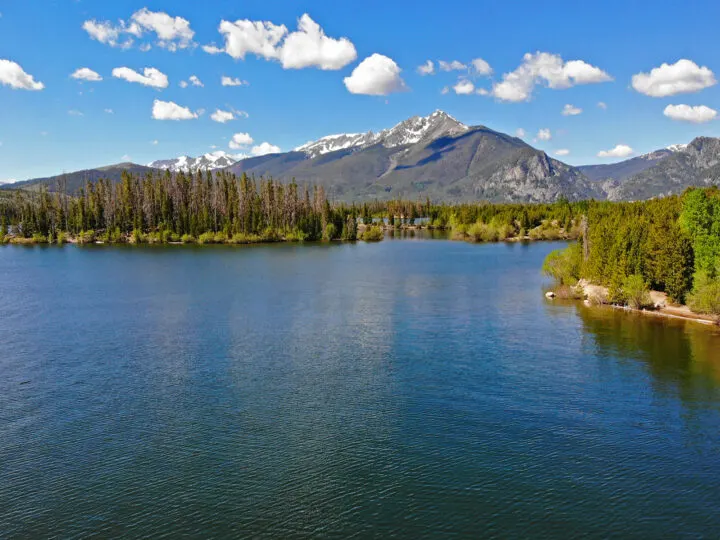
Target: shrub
[
  {"x": 330, "y": 232},
  {"x": 61, "y": 238},
  {"x": 206, "y": 238},
  {"x": 705, "y": 296},
  {"x": 372, "y": 234},
  {"x": 636, "y": 292},
  {"x": 563, "y": 265},
  {"x": 187, "y": 239},
  {"x": 85, "y": 237}
]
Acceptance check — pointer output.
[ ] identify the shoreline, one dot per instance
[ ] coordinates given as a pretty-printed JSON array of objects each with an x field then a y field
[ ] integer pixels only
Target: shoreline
[{"x": 593, "y": 293}]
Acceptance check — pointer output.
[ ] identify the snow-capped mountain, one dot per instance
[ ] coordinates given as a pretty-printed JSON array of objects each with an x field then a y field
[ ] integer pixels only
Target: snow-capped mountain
[
  {"x": 210, "y": 161},
  {"x": 410, "y": 131}
]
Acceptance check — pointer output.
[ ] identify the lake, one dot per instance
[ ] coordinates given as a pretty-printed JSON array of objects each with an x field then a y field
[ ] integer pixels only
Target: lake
[{"x": 413, "y": 388}]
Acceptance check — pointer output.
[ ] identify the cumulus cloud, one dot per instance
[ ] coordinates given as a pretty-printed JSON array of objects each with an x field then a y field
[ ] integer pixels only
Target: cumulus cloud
[
  {"x": 481, "y": 67},
  {"x": 683, "y": 76},
  {"x": 464, "y": 87},
  {"x": 169, "y": 110},
  {"x": 195, "y": 81},
  {"x": 230, "y": 81},
  {"x": 571, "y": 110},
  {"x": 377, "y": 75},
  {"x": 12, "y": 75},
  {"x": 548, "y": 69},
  {"x": 428, "y": 68},
  {"x": 265, "y": 148},
  {"x": 222, "y": 116},
  {"x": 562, "y": 152},
  {"x": 171, "y": 33},
  {"x": 544, "y": 134},
  {"x": 109, "y": 111},
  {"x": 620, "y": 151},
  {"x": 602, "y": 105},
  {"x": 86, "y": 74},
  {"x": 108, "y": 33},
  {"x": 240, "y": 140},
  {"x": 310, "y": 47},
  {"x": 453, "y": 65},
  {"x": 685, "y": 113},
  {"x": 183, "y": 84},
  {"x": 150, "y": 77},
  {"x": 520, "y": 133}
]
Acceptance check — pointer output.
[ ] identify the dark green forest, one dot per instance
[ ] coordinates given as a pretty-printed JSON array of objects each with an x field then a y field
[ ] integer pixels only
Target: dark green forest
[{"x": 670, "y": 245}]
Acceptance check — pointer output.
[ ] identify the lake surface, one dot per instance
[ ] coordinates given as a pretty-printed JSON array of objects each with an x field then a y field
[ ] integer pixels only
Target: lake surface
[{"x": 412, "y": 388}]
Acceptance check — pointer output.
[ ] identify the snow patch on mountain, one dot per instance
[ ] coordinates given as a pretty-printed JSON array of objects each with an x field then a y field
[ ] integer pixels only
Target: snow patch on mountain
[
  {"x": 410, "y": 131},
  {"x": 207, "y": 162}
]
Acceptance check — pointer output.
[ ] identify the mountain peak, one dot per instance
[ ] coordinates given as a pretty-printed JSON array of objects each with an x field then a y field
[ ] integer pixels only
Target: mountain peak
[
  {"x": 410, "y": 131},
  {"x": 209, "y": 161}
]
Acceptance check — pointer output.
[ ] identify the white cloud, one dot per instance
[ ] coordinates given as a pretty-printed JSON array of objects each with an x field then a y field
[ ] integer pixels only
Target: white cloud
[
  {"x": 169, "y": 110},
  {"x": 562, "y": 152},
  {"x": 445, "y": 90},
  {"x": 155, "y": 142},
  {"x": 377, "y": 75},
  {"x": 109, "y": 111},
  {"x": 481, "y": 67},
  {"x": 520, "y": 133},
  {"x": 571, "y": 110},
  {"x": 222, "y": 116},
  {"x": 454, "y": 65},
  {"x": 150, "y": 77},
  {"x": 544, "y": 134},
  {"x": 240, "y": 140},
  {"x": 685, "y": 113},
  {"x": 428, "y": 68},
  {"x": 75, "y": 112},
  {"x": 86, "y": 74},
  {"x": 548, "y": 69},
  {"x": 667, "y": 80},
  {"x": 107, "y": 33},
  {"x": 183, "y": 84},
  {"x": 195, "y": 81},
  {"x": 482, "y": 92},
  {"x": 12, "y": 75},
  {"x": 172, "y": 32},
  {"x": 256, "y": 37},
  {"x": 464, "y": 87},
  {"x": 310, "y": 47},
  {"x": 230, "y": 81},
  {"x": 265, "y": 148},
  {"x": 602, "y": 105},
  {"x": 620, "y": 151}
]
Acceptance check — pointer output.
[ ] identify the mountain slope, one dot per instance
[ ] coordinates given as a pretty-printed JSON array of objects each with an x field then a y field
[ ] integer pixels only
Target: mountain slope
[
  {"x": 624, "y": 169},
  {"x": 434, "y": 156},
  {"x": 696, "y": 164},
  {"x": 75, "y": 180}
]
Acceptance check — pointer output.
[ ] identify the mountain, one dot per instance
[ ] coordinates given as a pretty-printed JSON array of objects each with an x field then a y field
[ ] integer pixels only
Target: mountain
[
  {"x": 694, "y": 164},
  {"x": 211, "y": 161},
  {"x": 627, "y": 168},
  {"x": 411, "y": 131},
  {"x": 75, "y": 180},
  {"x": 434, "y": 156}
]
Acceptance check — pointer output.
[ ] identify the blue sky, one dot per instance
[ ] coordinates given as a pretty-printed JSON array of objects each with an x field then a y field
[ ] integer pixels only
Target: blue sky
[{"x": 303, "y": 86}]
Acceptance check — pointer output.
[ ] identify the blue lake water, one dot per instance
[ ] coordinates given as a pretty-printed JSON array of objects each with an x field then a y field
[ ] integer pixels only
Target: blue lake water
[{"x": 412, "y": 388}]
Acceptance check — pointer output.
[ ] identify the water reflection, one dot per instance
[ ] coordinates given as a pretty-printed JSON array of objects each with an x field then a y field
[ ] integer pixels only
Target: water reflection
[{"x": 682, "y": 357}]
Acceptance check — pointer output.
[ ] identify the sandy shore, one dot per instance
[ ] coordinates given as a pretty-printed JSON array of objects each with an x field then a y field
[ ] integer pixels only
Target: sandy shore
[{"x": 595, "y": 293}]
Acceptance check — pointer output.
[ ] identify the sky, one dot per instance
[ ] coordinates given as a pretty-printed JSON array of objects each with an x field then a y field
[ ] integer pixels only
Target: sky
[{"x": 88, "y": 83}]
